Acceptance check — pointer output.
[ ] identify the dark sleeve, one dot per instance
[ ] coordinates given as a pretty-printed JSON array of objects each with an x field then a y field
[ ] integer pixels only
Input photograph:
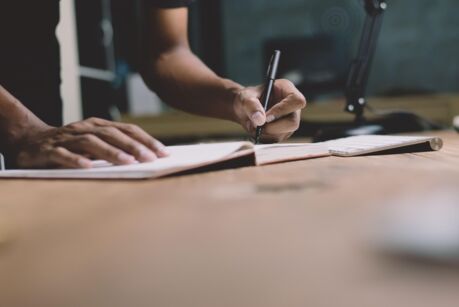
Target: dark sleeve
[{"x": 169, "y": 3}]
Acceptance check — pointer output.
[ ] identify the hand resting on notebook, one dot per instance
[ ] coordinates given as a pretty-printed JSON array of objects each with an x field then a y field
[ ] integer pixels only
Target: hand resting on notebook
[
  {"x": 31, "y": 143},
  {"x": 73, "y": 146}
]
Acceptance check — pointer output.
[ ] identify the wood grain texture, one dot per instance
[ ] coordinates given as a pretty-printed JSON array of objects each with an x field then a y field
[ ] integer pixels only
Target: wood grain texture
[{"x": 292, "y": 234}]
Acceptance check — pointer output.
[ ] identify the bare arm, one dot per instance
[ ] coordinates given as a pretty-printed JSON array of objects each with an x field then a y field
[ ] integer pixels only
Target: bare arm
[
  {"x": 185, "y": 82},
  {"x": 15, "y": 121},
  {"x": 178, "y": 75}
]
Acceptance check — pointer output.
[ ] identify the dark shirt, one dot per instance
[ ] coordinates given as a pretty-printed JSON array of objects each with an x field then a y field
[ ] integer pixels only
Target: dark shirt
[{"x": 29, "y": 53}]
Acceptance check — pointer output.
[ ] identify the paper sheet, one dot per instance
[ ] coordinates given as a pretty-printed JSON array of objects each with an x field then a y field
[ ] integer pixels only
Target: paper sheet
[{"x": 181, "y": 158}]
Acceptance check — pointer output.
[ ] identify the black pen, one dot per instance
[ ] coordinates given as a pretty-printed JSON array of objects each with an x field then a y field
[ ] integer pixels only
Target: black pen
[{"x": 269, "y": 85}]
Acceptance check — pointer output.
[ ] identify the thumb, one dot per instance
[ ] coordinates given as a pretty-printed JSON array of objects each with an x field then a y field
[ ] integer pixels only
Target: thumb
[{"x": 254, "y": 111}]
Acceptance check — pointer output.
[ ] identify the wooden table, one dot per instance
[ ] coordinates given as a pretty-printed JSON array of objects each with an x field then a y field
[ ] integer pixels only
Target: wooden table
[{"x": 293, "y": 234}]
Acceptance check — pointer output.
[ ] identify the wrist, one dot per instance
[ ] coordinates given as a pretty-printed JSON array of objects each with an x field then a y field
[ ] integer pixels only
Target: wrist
[
  {"x": 20, "y": 132},
  {"x": 16, "y": 121}
]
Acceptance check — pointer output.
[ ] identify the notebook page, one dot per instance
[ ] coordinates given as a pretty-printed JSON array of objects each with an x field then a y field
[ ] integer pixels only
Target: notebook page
[
  {"x": 181, "y": 158},
  {"x": 366, "y": 144}
]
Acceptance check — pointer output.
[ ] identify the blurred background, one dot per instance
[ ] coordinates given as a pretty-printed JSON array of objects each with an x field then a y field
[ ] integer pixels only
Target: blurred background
[{"x": 416, "y": 66}]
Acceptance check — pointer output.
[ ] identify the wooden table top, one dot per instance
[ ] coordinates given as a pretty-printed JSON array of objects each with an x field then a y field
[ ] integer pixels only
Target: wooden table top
[{"x": 293, "y": 234}]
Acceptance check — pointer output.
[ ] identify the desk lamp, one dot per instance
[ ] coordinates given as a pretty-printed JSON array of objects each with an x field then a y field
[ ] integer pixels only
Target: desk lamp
[{"x": 394, "y": 122}]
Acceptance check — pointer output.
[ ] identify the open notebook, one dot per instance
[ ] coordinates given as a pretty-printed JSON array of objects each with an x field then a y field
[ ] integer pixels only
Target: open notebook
[{"x": 230, "y": 155}]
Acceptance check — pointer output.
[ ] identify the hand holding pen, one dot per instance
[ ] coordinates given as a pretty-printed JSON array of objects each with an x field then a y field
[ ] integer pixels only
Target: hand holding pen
[
  {"x": 270, "y": 112},
  {"x": 269, "y": 85}
]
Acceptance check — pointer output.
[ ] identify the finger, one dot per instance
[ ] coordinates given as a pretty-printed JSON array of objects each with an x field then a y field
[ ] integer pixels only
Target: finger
[
  {"x": 151, "y": 150},
  {"x": 143, "y": 137},
  {"x": 286, "y": 124},
  {"x": 252, "y": 106},
  {"x": 293, "y": 102},
  {"x": 254, "y": 111},
  {"x": 134, "y": 132},
  {"x": 61, "y": 157},
  {"x": 115, "y": 137},
  {"x": 89, "y": 144}
]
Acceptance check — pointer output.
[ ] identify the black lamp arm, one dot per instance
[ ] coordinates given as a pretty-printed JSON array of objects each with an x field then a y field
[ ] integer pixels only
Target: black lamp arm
[{"x": 360, "y": 67}]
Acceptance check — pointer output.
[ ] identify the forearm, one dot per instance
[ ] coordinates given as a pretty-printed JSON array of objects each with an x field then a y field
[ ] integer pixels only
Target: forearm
[
  {"x": 15, "y": 120},
  {"x": 185, "y": 82}
]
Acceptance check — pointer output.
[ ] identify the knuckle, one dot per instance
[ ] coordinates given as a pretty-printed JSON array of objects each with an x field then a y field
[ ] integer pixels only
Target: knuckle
[
  {"x": 240, "y": 96},
  {"x": 108, "y": 131},
  {"x": 136, "y": 130},
  {"x": 249, "y": 95},
  {"x": 62, "y": 154},
  {"x": 94, "y": 120},
  {"x": 133, "y": 147},
  {"x": 114, "y": 153},
  {"x": 78, "y": 126},
  {"x": 88, "y": 138},
  {"x": 132, "y": 128},
  {"x": 285, "y": 83},
  {"x": 73, "y": 126},
  {"x": 59, "y": 151},
  {"x": 251, "y": 91}
]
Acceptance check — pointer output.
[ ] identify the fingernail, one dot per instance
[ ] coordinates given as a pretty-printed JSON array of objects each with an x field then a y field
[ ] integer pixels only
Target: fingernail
[
  {"x": 258, "y": 119},
  {"x": 162, "y": 149},
  {"x": 125, "y": 158},
  {"x": 270, "y": 118},
  {"x": 146, "y": 155}
]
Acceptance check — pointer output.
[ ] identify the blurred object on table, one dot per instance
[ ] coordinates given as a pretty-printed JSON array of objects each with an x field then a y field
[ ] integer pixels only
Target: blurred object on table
[{"x": 421, "y": 225}]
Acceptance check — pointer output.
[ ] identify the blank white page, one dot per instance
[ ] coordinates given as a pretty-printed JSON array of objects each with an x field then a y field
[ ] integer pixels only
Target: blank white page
[
  {"x": 366, "y": 144},
  {"x": 181, "y": 158}
]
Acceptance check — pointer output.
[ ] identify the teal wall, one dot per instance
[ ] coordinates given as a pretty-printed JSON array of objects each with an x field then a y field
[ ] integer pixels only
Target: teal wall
[{"x": 418, "y": 49}]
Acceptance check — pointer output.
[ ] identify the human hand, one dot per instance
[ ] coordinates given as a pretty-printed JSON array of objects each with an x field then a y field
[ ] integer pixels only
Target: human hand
[
  {"x": 280, "y": 121},
  {"x": 74, "y": 145}
]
